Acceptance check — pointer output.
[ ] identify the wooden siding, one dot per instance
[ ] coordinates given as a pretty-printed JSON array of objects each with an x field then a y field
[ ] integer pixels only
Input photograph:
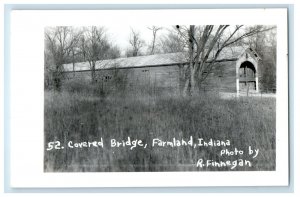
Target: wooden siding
[
  {"x": 221, "y": 78},
  {"x": 146, "y": 77},
  {"x": 165, "y": 71}
]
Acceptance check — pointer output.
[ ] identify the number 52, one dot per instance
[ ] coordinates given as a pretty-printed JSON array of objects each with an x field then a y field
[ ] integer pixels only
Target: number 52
[{"x": 55, "y": 145}]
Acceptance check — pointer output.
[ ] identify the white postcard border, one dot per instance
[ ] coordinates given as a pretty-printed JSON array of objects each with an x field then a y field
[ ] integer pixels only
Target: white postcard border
[{"x": 27, "y": 100}]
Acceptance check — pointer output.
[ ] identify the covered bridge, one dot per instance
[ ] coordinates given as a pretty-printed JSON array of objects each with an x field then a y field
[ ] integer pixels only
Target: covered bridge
[{"x": 235, "y": 71}]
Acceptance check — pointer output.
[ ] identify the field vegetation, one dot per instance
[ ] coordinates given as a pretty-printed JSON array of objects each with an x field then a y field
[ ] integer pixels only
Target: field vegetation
[{"x": 86, "y": 114}]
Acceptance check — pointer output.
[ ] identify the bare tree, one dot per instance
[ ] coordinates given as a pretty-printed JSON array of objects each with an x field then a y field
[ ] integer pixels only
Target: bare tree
[
  {"x": 201, "y": 41},
  {"x": 94, "y": 46},
  {"x": 172, "y": 42},
  {"x": 265, "y": 43},
  {"x": 154, "y": 30},
  {"x": 136, "y": 43},
  {"x": 75, "y": 48},
  {"x": 59, "y": 41}
]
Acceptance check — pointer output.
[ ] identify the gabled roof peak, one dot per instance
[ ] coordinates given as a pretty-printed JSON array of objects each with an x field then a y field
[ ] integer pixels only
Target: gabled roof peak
[{"x": 253, "y": 53}]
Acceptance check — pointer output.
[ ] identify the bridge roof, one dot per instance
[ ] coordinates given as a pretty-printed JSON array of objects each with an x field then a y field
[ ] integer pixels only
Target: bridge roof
[{"x": 151, "y": 60}]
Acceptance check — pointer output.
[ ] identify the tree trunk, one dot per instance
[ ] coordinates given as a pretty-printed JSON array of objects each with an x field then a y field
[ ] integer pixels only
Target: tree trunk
[
  {"x": 181, "y": 79},
  {"x": 189, "y": 88},
  {"x": 73, "y": 62},
  {"x": 193, "y": 82},
  {"x": 57, "y": 82},
  {"x": 57, "y": 78},
  {"x": 186, "y": 91},
  {"x": 93, "y": 72},
  {"x": 152, "y": 48}
]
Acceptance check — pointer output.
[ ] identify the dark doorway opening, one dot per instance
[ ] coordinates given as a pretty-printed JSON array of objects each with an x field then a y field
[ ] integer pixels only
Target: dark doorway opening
[{"x": 247, "y": 77}]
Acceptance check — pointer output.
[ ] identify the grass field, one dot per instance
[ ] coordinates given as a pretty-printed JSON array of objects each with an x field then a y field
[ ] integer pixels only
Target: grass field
[{"x": 82, "y": 117}]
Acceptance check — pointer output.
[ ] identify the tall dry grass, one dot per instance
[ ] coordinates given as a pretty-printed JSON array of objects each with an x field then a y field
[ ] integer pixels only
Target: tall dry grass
[{"x": 79, "y": 116}]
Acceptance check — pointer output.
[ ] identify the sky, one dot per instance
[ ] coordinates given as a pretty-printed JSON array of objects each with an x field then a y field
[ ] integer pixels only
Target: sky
[{"x": 120, "y": 34}]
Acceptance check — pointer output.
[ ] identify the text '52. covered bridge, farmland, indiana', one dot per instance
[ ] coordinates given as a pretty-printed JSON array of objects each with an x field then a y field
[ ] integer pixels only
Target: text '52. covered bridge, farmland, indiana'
[{"x": 235, "y": 71}]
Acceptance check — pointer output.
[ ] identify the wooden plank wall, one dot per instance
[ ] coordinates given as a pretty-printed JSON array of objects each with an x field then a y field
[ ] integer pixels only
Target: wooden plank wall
[{"x": 222, "y": 77}]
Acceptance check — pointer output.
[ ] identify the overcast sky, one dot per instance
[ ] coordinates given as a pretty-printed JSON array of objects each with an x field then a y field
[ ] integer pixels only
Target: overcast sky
[{"x": 120, "y": 34}]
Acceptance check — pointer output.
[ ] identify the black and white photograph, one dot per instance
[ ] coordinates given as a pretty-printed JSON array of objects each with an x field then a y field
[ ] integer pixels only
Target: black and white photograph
[
  {"x": 141, "y": 97},
  {"x": 160, "y": 98}
]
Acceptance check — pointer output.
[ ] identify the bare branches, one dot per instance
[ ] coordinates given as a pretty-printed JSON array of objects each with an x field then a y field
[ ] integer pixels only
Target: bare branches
[
  {"x": 211, "y": 38},
  {"x": 136, "y": 42},
  {"x": 94, "y": 44},
  {"x": 172, "y": 42},
  {"x": 70, "y": 44},
  {"x": 248, "y": 33},
  {"x": 204, "y": 44},
  {"x": 61, "y": 41},
  {"x": 154, "y": 30}
]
